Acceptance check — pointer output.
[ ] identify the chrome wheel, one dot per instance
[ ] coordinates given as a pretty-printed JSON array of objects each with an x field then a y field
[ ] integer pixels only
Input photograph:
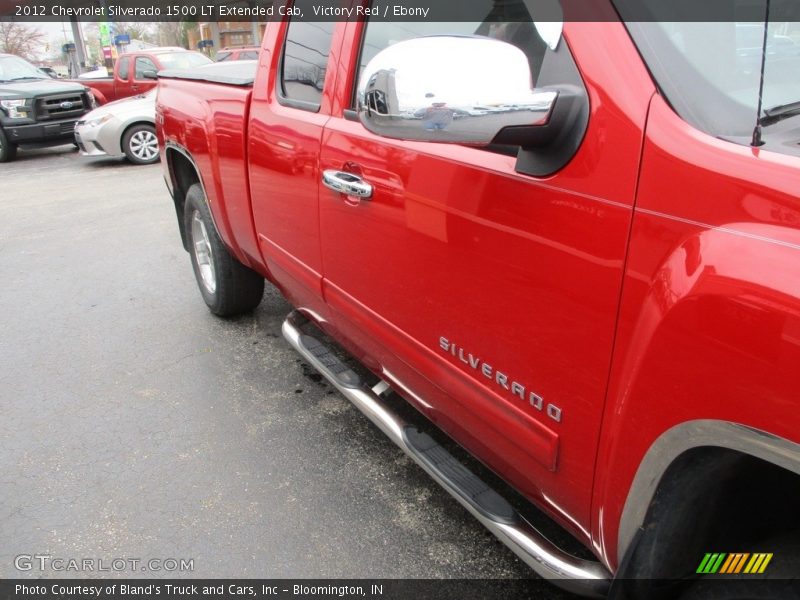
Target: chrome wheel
[
  {"x": 202, "y": 253},
  {"x": 144, "y": 145}
]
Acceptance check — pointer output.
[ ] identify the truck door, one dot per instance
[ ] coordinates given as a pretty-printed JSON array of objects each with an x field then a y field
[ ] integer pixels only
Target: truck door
[
  {"x": 500, "y": 288},
  {"x": 140, "y": 83},
  {"x": 287, "y": 114},
  {"x": 122, "y": 79}
]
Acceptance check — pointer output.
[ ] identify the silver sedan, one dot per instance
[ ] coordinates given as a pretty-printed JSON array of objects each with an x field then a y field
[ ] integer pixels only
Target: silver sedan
[{"x": 122, "y": 128}]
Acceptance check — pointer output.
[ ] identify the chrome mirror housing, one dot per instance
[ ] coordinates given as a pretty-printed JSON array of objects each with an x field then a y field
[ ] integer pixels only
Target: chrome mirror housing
[{"x": 452, "y": 89}]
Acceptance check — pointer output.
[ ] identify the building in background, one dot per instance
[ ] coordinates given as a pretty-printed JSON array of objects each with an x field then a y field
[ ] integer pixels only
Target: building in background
[{"x": 225, "y": 34}]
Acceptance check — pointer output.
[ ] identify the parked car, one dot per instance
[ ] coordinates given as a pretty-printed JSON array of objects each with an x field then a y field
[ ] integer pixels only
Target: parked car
[
  {"x": 122, "y": 128},
  {"x": 49, "y": 71},
  {"x": 135, "y": 72},
  {"x": 590, "y": 280},
  {"x": 245, "y": 53},
  {"x": 781, "y": 51},
  {"x": 35, "y": 108}
]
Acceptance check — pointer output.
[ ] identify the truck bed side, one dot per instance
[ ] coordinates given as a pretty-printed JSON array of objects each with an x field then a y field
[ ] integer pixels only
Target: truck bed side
[{"x": 202, "y": 121}]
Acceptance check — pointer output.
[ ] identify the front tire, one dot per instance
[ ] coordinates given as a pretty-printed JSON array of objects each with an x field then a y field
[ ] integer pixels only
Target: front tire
[
  {"x": 140, "y": 144},
  {"x": 227, "y": 286},
  {"x": 8, "y": 150}
]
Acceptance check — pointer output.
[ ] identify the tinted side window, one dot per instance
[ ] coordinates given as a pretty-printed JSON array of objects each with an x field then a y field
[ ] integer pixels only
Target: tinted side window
[
  {"x": 248, "y": 56},
  {"x": 123, "y": 67},
  {"x": 144, "y": 64},
  {"x": 304, "y": 63},
  {"x": 221, "y": 56}
]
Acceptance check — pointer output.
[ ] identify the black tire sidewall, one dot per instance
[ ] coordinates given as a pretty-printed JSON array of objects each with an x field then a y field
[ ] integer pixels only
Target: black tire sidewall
[
  {"x": 126, "y": 142},
  {"x": 238, "y": 289},
  {"x": 195, "y": 202},
  {"x": 8, "y": 150}
]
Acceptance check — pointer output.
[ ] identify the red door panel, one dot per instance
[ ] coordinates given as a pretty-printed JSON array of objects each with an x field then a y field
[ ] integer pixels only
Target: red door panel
[
  {"x": 499, "y": 288},
  {"x": 283, "y": 151}
]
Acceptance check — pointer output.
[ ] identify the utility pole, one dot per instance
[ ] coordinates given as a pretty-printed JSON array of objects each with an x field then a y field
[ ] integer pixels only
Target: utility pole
[
  {"x": 80, "y": 46},
  {"x": 256, "y": 32}
]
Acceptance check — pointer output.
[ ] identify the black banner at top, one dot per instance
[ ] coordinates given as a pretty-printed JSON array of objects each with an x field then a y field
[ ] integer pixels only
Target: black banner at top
[{"x": 399, "y": 10}]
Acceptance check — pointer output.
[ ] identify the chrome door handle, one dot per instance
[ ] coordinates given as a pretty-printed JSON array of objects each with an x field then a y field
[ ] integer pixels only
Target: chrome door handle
[{"x": 346, "y": 183}]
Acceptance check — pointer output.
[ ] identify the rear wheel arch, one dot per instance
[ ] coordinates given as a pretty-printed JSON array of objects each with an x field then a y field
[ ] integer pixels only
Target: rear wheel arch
[
  {"x": 184, "y": 174},
  {"x": 704, "y": 484}
]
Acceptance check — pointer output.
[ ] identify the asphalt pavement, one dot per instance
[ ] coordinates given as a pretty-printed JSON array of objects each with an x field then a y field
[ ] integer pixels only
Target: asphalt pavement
[{"x": 135, "y": 424}]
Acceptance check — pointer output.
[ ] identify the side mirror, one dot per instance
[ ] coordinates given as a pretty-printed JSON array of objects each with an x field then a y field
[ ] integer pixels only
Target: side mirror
[
  {"x": 150, "y": 74},
  {"x": 462, "y": 90}
]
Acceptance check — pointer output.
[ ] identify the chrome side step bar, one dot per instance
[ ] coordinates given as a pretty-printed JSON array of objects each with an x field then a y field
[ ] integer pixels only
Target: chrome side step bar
[{"x": 587, "y": 578}]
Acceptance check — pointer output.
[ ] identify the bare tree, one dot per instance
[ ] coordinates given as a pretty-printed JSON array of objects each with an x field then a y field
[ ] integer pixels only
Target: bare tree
[
  {"x": 137, "y": 31},
  {"x": 171, "y": 33},
  {"x": 22, "y": 40}
]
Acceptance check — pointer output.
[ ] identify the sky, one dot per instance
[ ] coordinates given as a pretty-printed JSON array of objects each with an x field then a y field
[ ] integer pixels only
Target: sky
[{"x": 53, "y": 30}]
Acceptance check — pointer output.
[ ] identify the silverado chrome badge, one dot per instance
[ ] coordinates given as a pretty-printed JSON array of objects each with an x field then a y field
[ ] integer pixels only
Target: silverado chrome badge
[{"x": 501, "y": 379}]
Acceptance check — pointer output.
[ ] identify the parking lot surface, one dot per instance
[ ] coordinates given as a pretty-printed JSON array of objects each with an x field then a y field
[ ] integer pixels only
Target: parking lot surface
[{"x": 136, "y": 424}]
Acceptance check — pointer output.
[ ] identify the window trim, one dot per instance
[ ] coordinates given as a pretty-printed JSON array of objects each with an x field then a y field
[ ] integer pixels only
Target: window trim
[
  {"x": 355, "y": 67},
  {"x": 283, "y": 99},
  {"x": 143, "y": 58},
  {"x": 127, "y": 62}
]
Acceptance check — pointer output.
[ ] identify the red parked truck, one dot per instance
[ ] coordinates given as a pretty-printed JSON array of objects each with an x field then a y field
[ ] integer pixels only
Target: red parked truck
[
  {"x": 135, "y": 72},
  {"x": 243, "y": 53},
  {"x": 559, "y": 244}
]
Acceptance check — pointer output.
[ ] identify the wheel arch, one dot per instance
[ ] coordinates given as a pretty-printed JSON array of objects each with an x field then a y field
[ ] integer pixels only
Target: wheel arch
[
  {"x": 131, "y": 124},
  {"x": 695, "y": 436},
  {"x": 184, "y": 173},
  {"x": 705, "y": 359},
  {"x": 134, "y": 122},
  {"x": 704, "y": 482}
]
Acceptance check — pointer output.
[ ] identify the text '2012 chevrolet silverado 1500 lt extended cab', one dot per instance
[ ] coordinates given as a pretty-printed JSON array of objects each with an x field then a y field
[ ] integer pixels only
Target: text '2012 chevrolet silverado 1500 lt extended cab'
[{"x": 561, "y": 243}]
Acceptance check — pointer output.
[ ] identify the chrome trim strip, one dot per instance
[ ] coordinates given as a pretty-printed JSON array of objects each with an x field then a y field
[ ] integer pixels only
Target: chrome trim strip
[
  {"x": 175, "y": 146},
  {"x": 687, "y": 436},
  {"x": 587, "y": 578}
]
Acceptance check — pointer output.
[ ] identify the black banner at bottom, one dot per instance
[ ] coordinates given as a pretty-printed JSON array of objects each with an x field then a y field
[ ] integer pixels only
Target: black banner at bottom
[
  {"x": 380, "y": 589},
  {"x": 285, "y": 589}
]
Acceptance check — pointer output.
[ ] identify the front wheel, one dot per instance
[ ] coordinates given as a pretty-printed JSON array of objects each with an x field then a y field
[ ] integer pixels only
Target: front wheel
[
  {"x": 228, "y": 287},
  {"x": 8, "y": 151},
  {"x": 140, "y": 144}
]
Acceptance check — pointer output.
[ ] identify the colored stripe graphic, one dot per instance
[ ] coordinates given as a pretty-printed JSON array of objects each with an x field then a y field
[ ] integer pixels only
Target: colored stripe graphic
[
  {"x": 734, "y": 563},
  {"x": 711, "y": 563},
  {"x": 758, "y": 563},
  {"x": 727, "y": 564},
  {"x": 703, "y": 563}
]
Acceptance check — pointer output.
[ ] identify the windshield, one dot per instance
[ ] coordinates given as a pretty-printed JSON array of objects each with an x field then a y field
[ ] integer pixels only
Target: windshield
[
  {"x": 12, "y": 67},
  {"x": 183, "y": 60},
  {"x": 710, "y": 72}
]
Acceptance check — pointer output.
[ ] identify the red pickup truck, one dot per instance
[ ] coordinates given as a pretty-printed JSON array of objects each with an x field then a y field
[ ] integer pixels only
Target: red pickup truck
[
  {"x": 561, "y": 243},
  {"x": 135, "y": 72}
]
